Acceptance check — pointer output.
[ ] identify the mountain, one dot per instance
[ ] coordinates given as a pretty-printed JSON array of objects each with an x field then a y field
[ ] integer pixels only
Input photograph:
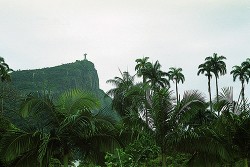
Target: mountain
[{"x": 80, "y": 74}]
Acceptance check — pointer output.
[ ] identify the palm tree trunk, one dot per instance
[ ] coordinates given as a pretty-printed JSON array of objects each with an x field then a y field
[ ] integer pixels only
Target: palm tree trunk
[
  {"x": 217, "y": 92},
  {"x": 146, "y": 114},
  {"x": 209, "y": 91},
  {"x": 164, "y": 159},
  {"x": 243, "y": 95},
  {"x": 143, "y": 79},
  {"x": 65, "y": 160},
  {"x": 2, "y": 97},
  {"x": 147, "y": 105},
  {"x": 176, "y": 88}
]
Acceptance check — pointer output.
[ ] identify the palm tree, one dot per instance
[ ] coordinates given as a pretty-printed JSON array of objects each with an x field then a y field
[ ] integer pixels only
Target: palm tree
[
  {"x": 218, "y": 68},
  {"x": 155, "y": 77},
  {"x": 175, "y": 74},
  {"x": 206, "y": 69},
  {"x": 122, "y": 86},
  {"x": 211, "y": 139},
  {"x": 129, "y": 99},
  {"x": 165, "y": 115},
  {"x": 44, "y": 130},
  {"x": 243, "y": 74},
  {"x": 246, "y": 63},
  {"x": 4, "y": 70},
  {"x": 141, "y": 66},
  {"x": 5, "y": 76},
  {"x": 160, "y": 111}
]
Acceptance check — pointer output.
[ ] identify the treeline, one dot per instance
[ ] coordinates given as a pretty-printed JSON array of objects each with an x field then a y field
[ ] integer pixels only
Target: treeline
[{"x": 148, "y": 123}]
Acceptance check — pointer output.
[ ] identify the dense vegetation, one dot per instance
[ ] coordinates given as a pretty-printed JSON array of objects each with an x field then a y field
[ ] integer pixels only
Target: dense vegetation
[
  {"x": 78, "y": 75},
  {"x": 149, "y": 124}
]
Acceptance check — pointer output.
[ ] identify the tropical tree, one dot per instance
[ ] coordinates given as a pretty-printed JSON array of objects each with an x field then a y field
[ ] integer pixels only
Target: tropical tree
[
  {"x": 206, "y": 69},
  {"x": 5, "y": 76},
  {"x": 122, "y": 85},
  {"x": 207, "y": 146},
  {"x": 141, "y": 66},
  {"x": 166, "y": 115},
  {"x": 218, "y": 67},
  {"x": 220, "y": 140},
  {"x": 162, "y": 106},
  {"x": 246, "y": 63},
  {"x": 241, "y": 137},
  {"x": 4, "y": 70},
  {"x": 243, "y": 74},
  {"x": 44, "y": 131},
  {"x": 155, "y": 77},
  {"x": 129, "y": 101},
  {"x": 175, "y": 74}
]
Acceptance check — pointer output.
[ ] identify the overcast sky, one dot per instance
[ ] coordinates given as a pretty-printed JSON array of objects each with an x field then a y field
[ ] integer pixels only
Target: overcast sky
[{"x": 179, "y": 33}]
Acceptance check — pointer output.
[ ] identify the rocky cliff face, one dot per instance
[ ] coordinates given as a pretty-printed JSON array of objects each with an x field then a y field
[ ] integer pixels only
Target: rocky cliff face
[{"x": 80, "y": 74}]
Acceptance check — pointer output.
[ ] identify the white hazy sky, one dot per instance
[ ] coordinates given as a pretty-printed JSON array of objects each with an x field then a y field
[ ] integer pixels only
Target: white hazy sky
[{"x": 179, "y": 33}]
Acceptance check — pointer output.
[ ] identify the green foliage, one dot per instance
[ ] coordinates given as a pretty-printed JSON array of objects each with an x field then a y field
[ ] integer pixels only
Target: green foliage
[
  {"x": 138, "y": 153},
  {"x": 87, "y": 164},
  {"x": 143, "y": 149},
  {"x": 178, "y": 160},
  {"x": 55, "y": 163},
  {"x": 119, "y": 159},
  {"x": 45, "y": 130},
  {"x": 5, "y": 124}
]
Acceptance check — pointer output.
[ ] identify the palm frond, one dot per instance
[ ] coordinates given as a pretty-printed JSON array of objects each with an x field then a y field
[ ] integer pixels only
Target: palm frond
[
  {"x": 75, "y": 100},
  {"x": 16, "y": 143}
]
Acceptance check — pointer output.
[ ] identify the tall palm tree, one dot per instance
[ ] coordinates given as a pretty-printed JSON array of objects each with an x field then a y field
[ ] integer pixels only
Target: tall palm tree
[
  {"x": 243, "y": 74},
  {"x": 155, "y": 77},
  {"x": 206, "y": 69},
  {"x": 142, "y": 65},
  {"x": 175, "y": 74},
  {"x": 122, "y": 85},
  {"x": 246, "y": 65},
  {"x": 218, "y": 68}
]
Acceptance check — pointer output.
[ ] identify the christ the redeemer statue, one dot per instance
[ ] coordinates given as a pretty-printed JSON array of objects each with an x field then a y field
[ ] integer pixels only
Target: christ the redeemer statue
[{"x": 85, "y": 54}]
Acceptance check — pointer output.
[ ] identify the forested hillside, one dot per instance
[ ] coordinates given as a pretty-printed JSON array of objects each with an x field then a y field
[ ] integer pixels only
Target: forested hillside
[{"x": 80, "y": 74}]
